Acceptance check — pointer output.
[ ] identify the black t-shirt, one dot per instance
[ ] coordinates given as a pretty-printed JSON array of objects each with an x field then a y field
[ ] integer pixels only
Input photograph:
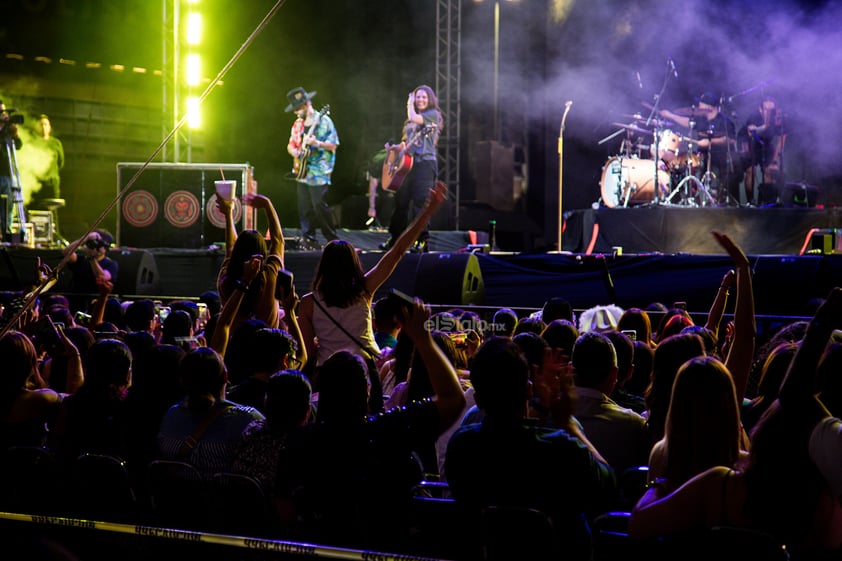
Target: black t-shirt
[{"x": 83, "y": 280}]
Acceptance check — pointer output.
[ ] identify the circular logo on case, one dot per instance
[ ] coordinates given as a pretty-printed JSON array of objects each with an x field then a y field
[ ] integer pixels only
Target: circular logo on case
[
  {"x": 140, "y": 209},
  {"x": 217, "y": 218},
  {"x": 181, "y": 209}
]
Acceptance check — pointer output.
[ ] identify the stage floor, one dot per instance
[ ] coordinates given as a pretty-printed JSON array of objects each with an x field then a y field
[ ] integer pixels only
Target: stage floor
[{"x": 669, "y": 229}]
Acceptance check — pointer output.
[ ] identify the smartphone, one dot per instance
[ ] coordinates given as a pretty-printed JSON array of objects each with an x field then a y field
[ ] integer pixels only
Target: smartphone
[
  {"x": 680, "y": 306},
  {"x": 163, "y": 313},
  {"x": 283, "y": 286},
  {"x": 402, "y": 301},
  {"x": 204, "y": 313},
  {"x": 46, "y": 333},
  {"x": 460, "y": 338},
  {"x": 631, "y": 333},
  {"x": 82, "y": 318}
]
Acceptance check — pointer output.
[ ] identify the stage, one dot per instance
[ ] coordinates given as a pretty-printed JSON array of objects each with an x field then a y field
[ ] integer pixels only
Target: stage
[
  {"x": 673, "y": 229},
  {"x": 784, "y": 282}
]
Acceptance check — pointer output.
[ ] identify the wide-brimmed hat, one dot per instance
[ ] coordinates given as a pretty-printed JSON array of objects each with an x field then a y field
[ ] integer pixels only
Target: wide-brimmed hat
[{"x": 298, "y": 97}]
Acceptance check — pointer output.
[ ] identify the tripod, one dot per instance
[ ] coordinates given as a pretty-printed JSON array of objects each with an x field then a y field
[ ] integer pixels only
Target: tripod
[{"x": 14, "y": 208}]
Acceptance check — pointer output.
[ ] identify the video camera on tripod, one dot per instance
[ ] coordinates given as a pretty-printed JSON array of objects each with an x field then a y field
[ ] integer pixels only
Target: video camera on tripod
[
  {"x": 12, "y": 207},
  {"x": 8, "y": 116}
]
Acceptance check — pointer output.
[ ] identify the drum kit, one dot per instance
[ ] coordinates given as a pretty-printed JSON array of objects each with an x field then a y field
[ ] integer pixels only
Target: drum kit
[{"x": 681, "y": 168}]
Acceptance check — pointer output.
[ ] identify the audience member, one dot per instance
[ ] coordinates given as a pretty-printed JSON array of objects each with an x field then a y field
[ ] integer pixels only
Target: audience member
[
  {"x": 530, "y": 325},
  {"x": 363, "y": 498},
  {"x": 771, "y": 378},
  {"x": 204, "y": 428},
  {"x": 504, "y": 322},
  {"x": 781, "y": 491},
  {"x": 637, "y": 320},
  {"x": 92, "y": 419},
  {"x": 641, "y": 376},
  {"x": 624, "y": 347},
  {"x": 509, "y": 461},
  {"x": 267, "y": 351},
  {"x": 561, "y": 334},
  {"x": 385, "y": 323},
  {"x": 619, "y": 434},
  {"x": 336, "y": 315},
  {"x": 260, "y": 300},
  {"x": 702, "y": 426},
  {"x": 557, "y": 308},
  {"x": 26, "y": 407},
  {"x": 286, "y": 406}
]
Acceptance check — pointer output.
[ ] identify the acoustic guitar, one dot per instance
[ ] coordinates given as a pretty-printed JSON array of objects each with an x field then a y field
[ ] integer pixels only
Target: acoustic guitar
[
  {"x": 398, "y": 162},
  {"x": 299, "y": 164}
]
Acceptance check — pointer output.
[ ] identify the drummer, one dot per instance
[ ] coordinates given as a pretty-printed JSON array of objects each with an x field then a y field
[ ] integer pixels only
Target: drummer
[{"x": 715, "y": 133}]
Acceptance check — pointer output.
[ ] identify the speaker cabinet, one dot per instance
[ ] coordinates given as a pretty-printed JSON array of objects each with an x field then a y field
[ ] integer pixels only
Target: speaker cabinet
[
  {"x": 174, "y": 205},
  {"x": 439, "y": 278},
  {"x": 799, "y": 195},
  {"x": 493, "y": 166},
  {"x": 137, "y": 272}
]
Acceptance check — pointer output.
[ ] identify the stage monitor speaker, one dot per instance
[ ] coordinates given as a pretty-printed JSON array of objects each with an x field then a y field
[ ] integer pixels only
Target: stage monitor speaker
[
  {"x": 824, "y": 242},
  {"x": 439, "y": 278},
  {"x": 174, "y": 205},
  {"x": 137, "y": 273},
  {"x": 799, "y": 195}
]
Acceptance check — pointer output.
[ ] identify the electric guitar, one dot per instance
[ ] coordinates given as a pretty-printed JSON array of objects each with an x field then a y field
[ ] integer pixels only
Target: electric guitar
[
  {"x": 299, "y": 164},
  {"x": 398, "y": 163}
]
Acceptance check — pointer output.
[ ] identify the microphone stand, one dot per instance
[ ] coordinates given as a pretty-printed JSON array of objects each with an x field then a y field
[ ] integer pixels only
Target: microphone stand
[{"x": 567, "y": 106}]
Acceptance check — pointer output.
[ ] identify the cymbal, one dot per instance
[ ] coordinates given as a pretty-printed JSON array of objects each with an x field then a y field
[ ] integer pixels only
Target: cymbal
[
  {"x": 653, "y": 122},
  {"x": 634, "y": 128},
  {"x": 689, "y": 111}
]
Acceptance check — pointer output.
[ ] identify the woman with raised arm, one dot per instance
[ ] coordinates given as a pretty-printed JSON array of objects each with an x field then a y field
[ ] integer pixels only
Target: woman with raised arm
[
  {"x": 259, "y": 300},
  {"x": 343, "y": 292},
  {"x": 780, "y": 491}
]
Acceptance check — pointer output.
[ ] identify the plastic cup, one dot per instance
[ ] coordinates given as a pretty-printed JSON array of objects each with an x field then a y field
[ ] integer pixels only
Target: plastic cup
[{"x": 225, "y": 188}]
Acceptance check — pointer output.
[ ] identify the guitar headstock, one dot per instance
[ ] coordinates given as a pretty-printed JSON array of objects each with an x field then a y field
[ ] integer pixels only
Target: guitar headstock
[{"x": 325, "y": 110}]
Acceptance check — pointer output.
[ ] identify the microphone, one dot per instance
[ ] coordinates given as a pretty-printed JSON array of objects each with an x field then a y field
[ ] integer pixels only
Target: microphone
[
  {"x": 639, "y": 81},
  {"x": 672, "y": 66}
]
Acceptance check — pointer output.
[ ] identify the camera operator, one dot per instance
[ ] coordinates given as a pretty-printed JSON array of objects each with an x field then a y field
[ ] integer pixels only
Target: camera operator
[
  {"x": 90, "y": 265},
  {"x": 8, "y": 130}
]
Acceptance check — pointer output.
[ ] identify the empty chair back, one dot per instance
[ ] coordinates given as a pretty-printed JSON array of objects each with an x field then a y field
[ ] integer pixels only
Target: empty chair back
[
  {"x": 241, "y": 507},
  {"x": 30, "y": 481},
  {"x": 178, "y": 495},
  {"x": 510, "y": 532},
  {"x": 100, "y": 489}
]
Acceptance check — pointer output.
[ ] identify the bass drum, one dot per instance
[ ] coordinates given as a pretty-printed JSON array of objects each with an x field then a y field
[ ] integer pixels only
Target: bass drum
[{"x": 622, "y": 176}]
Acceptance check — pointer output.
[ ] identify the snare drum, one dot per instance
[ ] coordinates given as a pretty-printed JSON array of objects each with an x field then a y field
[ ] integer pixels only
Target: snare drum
[
  {"x": 669, "y": 143},
  {"x": 622, "y": 176}
]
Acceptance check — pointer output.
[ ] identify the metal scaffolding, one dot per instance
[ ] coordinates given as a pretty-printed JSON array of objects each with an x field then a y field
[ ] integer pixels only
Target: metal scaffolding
[{"x": 448, "y": 87}]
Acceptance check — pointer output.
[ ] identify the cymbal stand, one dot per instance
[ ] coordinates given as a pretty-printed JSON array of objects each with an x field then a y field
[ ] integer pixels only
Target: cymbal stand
[{"x": 707, "y": 179}]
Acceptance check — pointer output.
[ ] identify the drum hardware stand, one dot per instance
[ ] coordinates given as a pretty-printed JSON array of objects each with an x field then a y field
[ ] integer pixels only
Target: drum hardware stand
[{"x": 657, "y": 132}]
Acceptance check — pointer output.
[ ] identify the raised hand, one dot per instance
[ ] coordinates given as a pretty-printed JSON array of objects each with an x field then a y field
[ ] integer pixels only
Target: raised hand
[
  {"x": 258, "y": 201},
  {"x": 736, "y": 253}
]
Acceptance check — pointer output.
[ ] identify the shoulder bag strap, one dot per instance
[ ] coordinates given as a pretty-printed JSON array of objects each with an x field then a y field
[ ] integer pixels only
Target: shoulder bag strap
[
  {"x": 366, "y": 348},
  {"x": 192, "y": 441}
]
